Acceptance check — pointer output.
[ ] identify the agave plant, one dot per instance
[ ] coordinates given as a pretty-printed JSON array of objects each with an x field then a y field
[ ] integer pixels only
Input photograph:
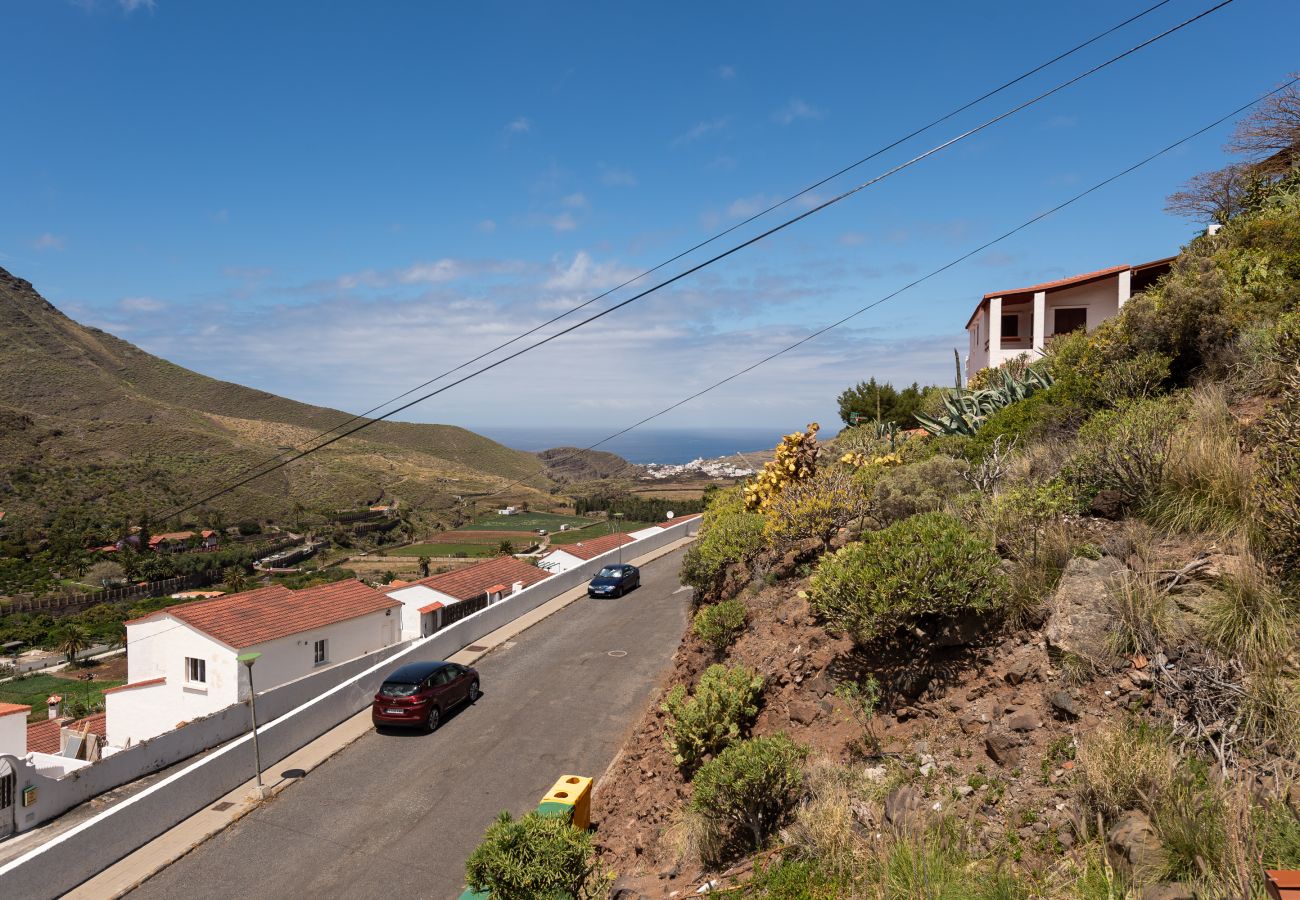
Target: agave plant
[{"x": 966, "y": 410}]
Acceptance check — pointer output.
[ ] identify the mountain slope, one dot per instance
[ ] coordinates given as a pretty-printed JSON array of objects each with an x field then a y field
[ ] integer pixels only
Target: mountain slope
[{"x": 90, "y": 421}]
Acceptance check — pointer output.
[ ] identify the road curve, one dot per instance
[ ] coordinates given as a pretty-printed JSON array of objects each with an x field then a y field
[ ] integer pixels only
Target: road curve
[{"x": 395, "y": 815}]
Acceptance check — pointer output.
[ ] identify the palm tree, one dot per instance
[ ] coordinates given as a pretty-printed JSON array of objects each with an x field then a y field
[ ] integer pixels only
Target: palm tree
[
  {"x": 424, "y": 567},
  {"x": 235, "y": 579},
  {"x": 72, "y": 640}
]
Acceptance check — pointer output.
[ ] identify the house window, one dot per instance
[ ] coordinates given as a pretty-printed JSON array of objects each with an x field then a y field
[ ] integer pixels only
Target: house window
[
  {"x": 1011, "y": 326},
  {"x": 1068, "y": 320},
  {"x": 196, "y": 670},
  {"x": 320, "y": 651}
]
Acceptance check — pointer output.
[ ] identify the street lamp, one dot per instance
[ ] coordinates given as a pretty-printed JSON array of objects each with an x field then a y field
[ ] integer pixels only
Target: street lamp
[
  {"x": 616, "y": 515},
  {"x": 248, "y": 659}
]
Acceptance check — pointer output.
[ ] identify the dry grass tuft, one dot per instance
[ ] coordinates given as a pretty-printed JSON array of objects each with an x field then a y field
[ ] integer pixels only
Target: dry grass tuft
[
  {"x": 824, "y": 828},
  {"x": 1247, "y": 617},
  {"x": 1120, "y": 765},
  {"x": 1145, "y": 619}
]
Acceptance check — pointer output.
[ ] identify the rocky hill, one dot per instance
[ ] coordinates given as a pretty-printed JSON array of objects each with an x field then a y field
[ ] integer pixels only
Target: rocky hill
[
  {"x": 93, "y": 423},
  {"x": 573, "y": 465}
]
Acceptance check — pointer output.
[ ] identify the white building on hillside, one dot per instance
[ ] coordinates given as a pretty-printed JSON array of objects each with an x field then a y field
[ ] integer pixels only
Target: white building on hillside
[
  {"x": 432, "y": 603},
  {"x": 181, "y": 661},
  {"x": 1007, "y": 324}
]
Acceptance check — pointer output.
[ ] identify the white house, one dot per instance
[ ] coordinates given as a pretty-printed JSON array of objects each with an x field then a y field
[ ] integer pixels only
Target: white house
[
  {"x": 430, "y": 604},
  {"x": 1007, "y": 324},
  {"x": 181, "y": 661},
  {"x": 570, "y": 556}
]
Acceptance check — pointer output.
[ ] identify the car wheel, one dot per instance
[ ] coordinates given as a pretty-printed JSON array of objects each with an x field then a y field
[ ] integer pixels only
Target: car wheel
[
  {"x": 431, "y": 723},
  {"x": 472, "y": 697}
]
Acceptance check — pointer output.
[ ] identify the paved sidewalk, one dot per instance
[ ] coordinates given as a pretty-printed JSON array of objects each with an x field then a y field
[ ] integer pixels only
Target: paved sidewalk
[{"x": 131, "y": 871}]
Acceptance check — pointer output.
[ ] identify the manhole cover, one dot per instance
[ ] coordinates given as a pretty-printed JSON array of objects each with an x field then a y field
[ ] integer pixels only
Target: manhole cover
[
  {"x": 617, "y": 653},
  {"x": 476, "y": 648},
  {"x": 222, "y": 806}
]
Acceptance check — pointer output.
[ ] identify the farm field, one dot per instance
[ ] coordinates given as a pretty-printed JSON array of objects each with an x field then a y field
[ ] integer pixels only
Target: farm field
[
  {"x": 448, "y": 548},
  {"x": 34, "y": 690},
  {"x": 600, "y": 529},
  {"x": 529, "y": 521}
]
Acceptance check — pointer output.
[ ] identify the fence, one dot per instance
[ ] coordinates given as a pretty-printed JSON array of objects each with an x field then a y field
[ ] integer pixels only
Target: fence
[
  {"x": 70, "y": 603},
  {"x": 296, "y": 714}
]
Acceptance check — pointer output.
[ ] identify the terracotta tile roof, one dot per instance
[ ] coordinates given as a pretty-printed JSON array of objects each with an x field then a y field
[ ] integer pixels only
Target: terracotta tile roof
[
  {"x": 1060, "y": 282},
  {"x": 471, "y": 581},
  {"x": 436, "y": 605},
  {"x": 43, "y": 737},
  {"x": 135, "y": 684},
  {"x": 157, "y": 539},
  {"x": 596, "y": 546},
  {"x": 255, "y": 617},
  {"x": 677, "y": 520},
  {"x": 7, "y": 709}
]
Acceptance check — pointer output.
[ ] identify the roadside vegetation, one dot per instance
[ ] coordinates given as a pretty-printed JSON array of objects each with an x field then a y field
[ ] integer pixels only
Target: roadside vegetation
[{"x": 1046, "y": 648}]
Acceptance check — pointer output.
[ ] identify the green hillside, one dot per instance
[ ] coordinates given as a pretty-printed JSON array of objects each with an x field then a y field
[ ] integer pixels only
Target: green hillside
[{"x": 93, "y": 423}]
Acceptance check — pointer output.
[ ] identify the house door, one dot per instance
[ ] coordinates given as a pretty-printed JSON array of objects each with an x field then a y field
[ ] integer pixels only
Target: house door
[
  {"x": 1068, "y": 320},
  {"x": 8, "y": 798}
]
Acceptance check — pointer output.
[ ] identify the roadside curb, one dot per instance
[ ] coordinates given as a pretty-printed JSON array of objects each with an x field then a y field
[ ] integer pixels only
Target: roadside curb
[{"x": 134, "y": 869}]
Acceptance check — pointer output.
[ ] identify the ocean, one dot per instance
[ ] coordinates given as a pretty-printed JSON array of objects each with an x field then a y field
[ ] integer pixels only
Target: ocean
[{"x": 669, "y": 446}]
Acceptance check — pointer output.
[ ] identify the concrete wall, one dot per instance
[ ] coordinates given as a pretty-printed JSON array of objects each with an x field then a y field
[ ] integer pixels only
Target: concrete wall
[
  {"x": 295, "y": 713},
  {"x": 1100, "y": 298},
  {"x": 13, "y": 733}
]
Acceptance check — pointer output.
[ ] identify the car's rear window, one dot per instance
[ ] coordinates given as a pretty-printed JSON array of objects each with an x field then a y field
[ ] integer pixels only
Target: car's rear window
[{"x": 397, "y": 689}]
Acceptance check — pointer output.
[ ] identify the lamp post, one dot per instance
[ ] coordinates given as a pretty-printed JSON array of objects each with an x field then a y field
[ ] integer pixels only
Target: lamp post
[
  {"x": 248, "y": 659},
  {"x": 611, "y": 531}
]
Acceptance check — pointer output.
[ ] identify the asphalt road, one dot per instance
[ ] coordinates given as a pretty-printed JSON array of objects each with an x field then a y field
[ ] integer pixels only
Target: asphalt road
[{"x": 396, "y": 815}]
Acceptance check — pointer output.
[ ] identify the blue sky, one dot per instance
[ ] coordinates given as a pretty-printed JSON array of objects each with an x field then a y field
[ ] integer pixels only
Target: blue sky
[{"x": 338, "y": 201}]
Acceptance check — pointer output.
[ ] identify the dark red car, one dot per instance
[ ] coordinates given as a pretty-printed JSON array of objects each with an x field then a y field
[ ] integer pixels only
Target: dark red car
[{"x": 420, "y": 694}]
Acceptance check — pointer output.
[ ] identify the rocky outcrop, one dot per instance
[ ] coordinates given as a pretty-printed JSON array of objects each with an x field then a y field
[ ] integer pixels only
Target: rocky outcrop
[
  {"x": 1079, "y": 614},
  {"x": 1132, "y": 840}
]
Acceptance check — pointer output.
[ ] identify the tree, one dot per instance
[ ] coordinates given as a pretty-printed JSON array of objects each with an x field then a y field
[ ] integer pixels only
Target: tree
[
  {"x": 72, "y": 639},
  {"x": 424, "y": 567},
  {"x": 870, "y": 399},
  {"x": 505, "y": 548},
  {"x": 235, "y": 579},
  {"x": 1213, "y": 196},
  {"x": 1271, "y": 134}
]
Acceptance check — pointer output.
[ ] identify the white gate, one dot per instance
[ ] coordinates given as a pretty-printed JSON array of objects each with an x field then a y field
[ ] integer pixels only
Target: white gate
[{"x": 8, "y": 798}]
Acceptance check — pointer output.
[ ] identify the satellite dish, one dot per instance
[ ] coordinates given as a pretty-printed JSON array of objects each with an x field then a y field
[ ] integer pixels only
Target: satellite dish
[{"x": 671, "y": 513}]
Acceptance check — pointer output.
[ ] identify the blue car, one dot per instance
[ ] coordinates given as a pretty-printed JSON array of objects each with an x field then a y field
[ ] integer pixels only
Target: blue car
[{"x": 614, "y": 581}]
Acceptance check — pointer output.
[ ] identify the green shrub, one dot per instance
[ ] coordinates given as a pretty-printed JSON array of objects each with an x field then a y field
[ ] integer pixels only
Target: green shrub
[
  {"x": 1247, "y": 617},
  {"x": 750, "y": 786},
  {"x": 928, "y": 565},
  {"x": 1126, "y": 449},
  {"x": 729, "y": 533},
  {"x": 719, "y": 624},
  {"x": 723, "y": 706},
  {"x": 818, "y": 507},
  {"x": 535, "y": 856},
  {"x": 1276, "y": 834},
  {"x": 1270, "y": 355},
  {"x": 917, "y": 488}
]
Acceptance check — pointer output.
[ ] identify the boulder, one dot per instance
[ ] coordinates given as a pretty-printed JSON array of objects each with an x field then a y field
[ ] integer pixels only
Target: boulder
[
  {"x": 1064, "y": 705},
  {"x": 1003, "y": 749},
  {"x": 1133, "y": 840},
  {"x": 1108, "y": 504},
  {"x": 1023, "y": 721},
  {"x": 1079, "y": 614},
  {"x": 1167, "y": 890},
  {"x": 805, "y": 712},
  {"x": 1019, "y": 670},
  {"x": 905, "y": 808}
]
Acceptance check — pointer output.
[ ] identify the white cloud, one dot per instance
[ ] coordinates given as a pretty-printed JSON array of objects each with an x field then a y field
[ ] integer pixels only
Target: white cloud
[
  {"x": 564, "y": 222},
  {"x": 48, "y": 241},
  {"x": 748, "y": 206},
  {"x": 576, "y": 201},
  {"x": 141, "y": 305},
  {"x": 726, "y": 73},
  {"x": 253, "y": 273},
  {"x": 795, "y": 110},
  {"x": 612, "y": 177},
  {"x": 221, "y": 216},
  {"x": 853, "y": 238},
  {"x": 431, "y": 273},
  {"x": 521, "y": 125},
  {"x": 701, "y": 129},
  {"x": 487, "y": 226},
  {"x": 132, "y": 5}
]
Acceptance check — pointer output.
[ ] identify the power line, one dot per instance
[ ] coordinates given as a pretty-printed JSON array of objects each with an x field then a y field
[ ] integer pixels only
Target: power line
[
  {"x": 710, "y": 261},
  {"x": 946, "y": 266},
  {"x": 724, "y": 232},
  {"x": 965, "y": 256}
]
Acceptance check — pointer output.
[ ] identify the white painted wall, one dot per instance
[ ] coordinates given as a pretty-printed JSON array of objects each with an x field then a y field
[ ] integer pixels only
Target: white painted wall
[
  {"x": 644, "y": 532},
  {"x": 159, "y": 647},
  {"x": 413, "y": 599},
  {"x": 1100, "y": 298},
  {"x": 13, "y": 733}
]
